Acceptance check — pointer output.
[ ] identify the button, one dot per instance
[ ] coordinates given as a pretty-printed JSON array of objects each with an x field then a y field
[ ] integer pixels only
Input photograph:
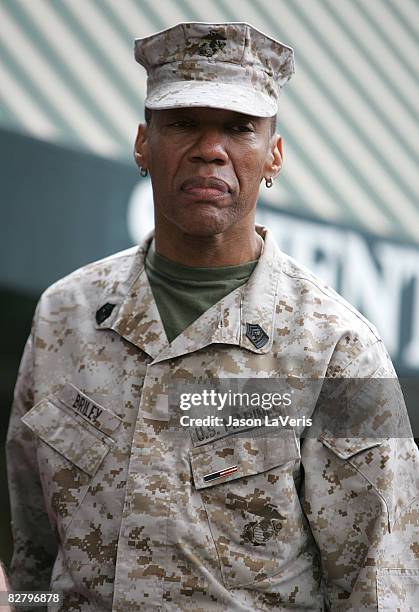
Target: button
[
  {"x": 256, "y": 335},
  {"x": 104, "y": 312}
]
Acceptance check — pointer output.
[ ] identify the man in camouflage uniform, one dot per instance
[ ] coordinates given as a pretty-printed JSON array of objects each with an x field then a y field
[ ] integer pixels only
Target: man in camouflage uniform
[{"x": 113, "y": 509}]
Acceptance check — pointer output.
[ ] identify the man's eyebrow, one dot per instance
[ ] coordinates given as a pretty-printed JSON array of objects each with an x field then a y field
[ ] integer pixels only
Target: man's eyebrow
[
  {"x": 185, "y": 112},
  {"x": 242, "y": 117}
]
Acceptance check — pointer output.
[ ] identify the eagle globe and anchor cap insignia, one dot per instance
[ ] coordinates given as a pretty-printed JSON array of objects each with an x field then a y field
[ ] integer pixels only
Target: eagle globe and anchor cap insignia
[
  {"x": 257, "y": 336},
  {"x": 212, "y": 42}
]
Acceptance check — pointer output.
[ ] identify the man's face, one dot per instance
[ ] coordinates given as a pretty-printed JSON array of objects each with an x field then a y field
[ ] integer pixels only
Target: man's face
[{"x": 206, "y": 166}]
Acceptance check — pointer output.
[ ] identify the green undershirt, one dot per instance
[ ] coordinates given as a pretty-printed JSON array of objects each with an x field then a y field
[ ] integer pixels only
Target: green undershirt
[{"x": 183, "y": 293}]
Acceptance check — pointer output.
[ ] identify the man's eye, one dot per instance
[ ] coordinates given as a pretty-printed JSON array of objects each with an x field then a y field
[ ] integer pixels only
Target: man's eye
[
  {"x": 241, "y": 127},
  {"x": 181, "y": 124}
]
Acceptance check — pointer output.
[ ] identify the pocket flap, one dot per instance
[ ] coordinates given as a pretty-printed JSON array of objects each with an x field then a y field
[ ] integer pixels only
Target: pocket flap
[
  {"x": 345, "y": 448},
  {"x": 67, "y": 435},
  {"x": 239, "y": 456},
  {"x": 398, "y": 589}
]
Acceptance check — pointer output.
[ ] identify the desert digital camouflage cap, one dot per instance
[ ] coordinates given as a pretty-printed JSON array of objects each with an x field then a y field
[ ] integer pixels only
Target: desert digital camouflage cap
[{"x": 231, "y": 66}]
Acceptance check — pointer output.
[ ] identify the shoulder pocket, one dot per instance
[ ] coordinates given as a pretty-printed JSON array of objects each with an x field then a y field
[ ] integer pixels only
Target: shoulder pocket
[
  {"x": 389, "y": 465},
  {"x": 346, "y": 448}
]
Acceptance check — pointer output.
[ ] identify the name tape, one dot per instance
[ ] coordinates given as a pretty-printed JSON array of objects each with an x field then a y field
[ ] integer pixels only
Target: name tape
[{"x": 100, "y": 417}]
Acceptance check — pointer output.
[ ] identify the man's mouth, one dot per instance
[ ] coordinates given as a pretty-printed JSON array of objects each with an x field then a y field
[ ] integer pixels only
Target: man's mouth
[{"x": 205, "y": 187}]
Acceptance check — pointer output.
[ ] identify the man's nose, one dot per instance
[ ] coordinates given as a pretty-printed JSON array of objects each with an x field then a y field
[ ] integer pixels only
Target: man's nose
[{"x": 209, "y": 147}]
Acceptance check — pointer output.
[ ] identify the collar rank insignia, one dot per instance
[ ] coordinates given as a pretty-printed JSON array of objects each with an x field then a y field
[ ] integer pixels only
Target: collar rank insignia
[
  {"x": 221, "y": 473},
  {"x": 104, "y": 312},
  {"x": 256, "y": 335}
]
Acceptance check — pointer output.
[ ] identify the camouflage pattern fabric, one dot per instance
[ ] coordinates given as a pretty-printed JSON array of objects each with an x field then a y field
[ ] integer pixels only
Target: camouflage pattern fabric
[
  {"x": 220, "y": 65},
  {"x": 116, "y": 512}
]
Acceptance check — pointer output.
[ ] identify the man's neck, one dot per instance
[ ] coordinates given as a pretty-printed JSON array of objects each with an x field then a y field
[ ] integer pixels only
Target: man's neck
[{"x": 209, "y": 251}]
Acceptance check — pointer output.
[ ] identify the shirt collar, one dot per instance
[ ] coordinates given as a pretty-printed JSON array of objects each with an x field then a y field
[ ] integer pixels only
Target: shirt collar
[{"x": 244, "y": 317}]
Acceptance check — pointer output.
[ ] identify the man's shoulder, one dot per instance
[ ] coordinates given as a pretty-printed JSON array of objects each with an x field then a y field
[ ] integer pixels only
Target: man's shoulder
[
  {"x": 90, "y": 281},
  {"x": 321, "y": 303}
]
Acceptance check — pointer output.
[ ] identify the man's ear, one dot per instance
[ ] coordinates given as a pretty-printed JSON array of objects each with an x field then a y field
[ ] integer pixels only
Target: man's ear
[
  {"x": 273, "y": 163},
  {"x": 141, "y": 147}
]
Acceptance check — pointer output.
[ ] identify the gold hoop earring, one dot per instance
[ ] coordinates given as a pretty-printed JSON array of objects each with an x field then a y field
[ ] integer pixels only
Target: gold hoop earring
[
  {"x": 269, "y": 182},
  {"x": 143, "y": 171}
]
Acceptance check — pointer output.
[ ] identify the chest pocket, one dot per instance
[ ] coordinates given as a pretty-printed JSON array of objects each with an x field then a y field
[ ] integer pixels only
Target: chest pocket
[
  {"x": 248, "y": 490},
  {"x": 70, "y": 452}
]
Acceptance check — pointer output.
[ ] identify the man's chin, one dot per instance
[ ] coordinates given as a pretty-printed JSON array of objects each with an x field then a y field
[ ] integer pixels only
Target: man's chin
[
  {"x": 204, "y": 223},
  {"x": 202, "y": 230}
]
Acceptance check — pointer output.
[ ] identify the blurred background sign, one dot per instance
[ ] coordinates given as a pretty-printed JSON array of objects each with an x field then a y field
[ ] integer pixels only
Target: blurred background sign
[{"x": 346, "y": 203}]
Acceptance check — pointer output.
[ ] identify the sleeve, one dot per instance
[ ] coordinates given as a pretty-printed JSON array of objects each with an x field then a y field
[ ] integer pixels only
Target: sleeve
[
  {"x": 35, "y": 545},
  {"x": 360, "y": 494},
  {"x": 4, "y": 587}
]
